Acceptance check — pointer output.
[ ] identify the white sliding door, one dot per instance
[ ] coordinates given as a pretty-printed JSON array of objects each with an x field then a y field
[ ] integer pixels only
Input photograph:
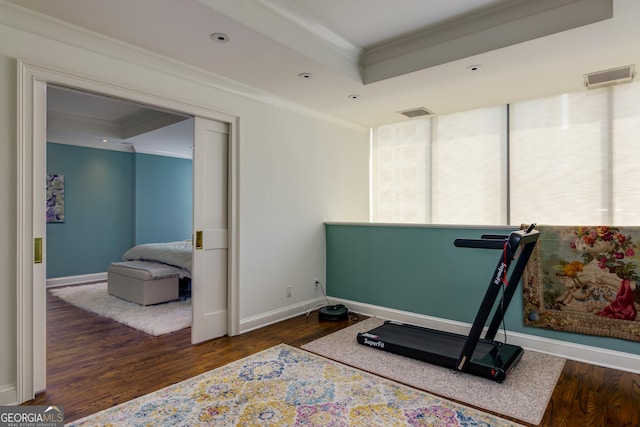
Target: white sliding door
[{"x": 210, "y": 218}]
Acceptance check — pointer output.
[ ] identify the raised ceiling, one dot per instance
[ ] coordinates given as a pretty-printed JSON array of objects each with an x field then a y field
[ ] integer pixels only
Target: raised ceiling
[
  {"x": 96, "y": 121},
  {"x": 394, "y": 55}
]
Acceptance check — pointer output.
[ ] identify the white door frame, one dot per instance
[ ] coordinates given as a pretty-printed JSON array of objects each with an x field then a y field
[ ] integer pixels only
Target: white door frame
[{"x": 31, "y": 333}]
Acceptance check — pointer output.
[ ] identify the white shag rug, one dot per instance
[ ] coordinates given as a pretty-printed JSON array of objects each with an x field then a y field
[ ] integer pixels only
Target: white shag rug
[{"x": 156, "y": 319}]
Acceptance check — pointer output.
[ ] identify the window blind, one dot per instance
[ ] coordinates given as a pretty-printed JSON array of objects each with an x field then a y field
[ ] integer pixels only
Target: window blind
[{"x": 563, "y": 160}]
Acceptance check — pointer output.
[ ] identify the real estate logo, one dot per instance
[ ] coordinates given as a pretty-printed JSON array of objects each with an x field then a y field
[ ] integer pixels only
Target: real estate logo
[{"x": 31, "y": 416}]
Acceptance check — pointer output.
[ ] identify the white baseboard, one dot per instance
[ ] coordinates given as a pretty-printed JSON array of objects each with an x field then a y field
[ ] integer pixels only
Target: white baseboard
[
  {"x": 275, "y": 316},
  {"x": 579, "y": 352},
  {"x": 74, "y": 280},
  {"x": 8, "y": 395}
]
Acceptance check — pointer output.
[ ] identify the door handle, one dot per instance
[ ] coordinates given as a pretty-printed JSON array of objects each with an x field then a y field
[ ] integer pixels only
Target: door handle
[
  {"x": 198, "y": 239},
  {"x": 37, "y": 250}
]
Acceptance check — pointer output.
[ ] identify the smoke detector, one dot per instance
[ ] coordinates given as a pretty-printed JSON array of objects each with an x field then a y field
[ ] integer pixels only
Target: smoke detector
[
  {"x": 416, "y": 112},
  {"x": 614, "y": 76}
]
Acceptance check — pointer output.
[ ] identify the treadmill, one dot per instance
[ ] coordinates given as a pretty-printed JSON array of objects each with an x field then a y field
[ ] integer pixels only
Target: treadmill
[{"x": 483, "y": 357}]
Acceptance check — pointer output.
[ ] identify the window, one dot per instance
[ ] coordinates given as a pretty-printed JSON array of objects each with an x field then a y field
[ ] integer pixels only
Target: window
[
  {"x": 625, "y": 170},
  {"x": 469, "y": 167},
  {"x": 564, "y": 160},
  {"x": 556, "y": 159},
  {"x": 400, "y": 183}
]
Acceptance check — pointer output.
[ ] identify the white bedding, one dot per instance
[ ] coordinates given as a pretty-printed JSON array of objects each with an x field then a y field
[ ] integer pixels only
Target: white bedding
[{"x": 173, "y": 253}]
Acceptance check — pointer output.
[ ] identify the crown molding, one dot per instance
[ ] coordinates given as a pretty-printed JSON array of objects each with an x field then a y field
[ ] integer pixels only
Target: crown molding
[
  {"x": 489, "y": 29},
  {"x": 26, "y": 20}
]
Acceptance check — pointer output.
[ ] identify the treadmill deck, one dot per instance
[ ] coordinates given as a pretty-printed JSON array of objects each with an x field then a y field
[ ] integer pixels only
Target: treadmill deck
[{"x": 490, "y": 359}]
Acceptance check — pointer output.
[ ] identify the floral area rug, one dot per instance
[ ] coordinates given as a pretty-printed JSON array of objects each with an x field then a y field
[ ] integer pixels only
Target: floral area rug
[
  {"x": 286, "y": 386},
  {"x": 585, "y": 280}
]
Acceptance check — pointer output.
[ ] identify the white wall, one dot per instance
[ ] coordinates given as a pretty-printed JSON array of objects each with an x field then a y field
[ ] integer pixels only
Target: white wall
[
  {"x": 283, "y": 208},
  {"x": 296, "y": 168}
]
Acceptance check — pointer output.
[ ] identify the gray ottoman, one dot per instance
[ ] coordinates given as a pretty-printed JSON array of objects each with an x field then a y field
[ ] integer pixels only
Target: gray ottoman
[{"x": 143, "y": 282}]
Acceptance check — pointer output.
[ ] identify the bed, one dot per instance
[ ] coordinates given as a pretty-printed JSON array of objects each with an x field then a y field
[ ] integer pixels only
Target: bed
[{"x": 152, "y": 273}]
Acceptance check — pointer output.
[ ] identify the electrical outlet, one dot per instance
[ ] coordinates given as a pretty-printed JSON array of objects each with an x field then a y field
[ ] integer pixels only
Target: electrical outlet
[
  {"x": 316, "y": 283},
  {"x": 289, "y": 290}
]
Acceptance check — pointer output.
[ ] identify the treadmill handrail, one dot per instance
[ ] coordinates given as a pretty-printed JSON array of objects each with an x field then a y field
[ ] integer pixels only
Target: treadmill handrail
[
  {"x": 528, "y": 238},
  {"x": 494, "y": 236},
  {"x": 494, "y": 241},
  {"x": 479, "y": 243},
  {"x": 514, "y": 279}
]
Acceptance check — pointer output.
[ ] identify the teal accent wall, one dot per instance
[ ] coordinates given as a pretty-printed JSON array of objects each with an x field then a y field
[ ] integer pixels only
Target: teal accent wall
[
  {"x": 99, "y": 201},
  {"x": 164, "y": 198},
  {"x": 113, "y": 201},
  {"x": 419, "y": 270}
]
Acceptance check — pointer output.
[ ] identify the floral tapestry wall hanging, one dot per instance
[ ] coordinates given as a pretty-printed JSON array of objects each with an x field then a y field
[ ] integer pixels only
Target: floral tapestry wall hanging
[
  {"x": 55, "y": 198},
  {"x": 585, "y": 280}
]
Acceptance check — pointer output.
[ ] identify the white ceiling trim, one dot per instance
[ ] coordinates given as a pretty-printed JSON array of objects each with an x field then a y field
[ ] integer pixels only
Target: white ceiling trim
[
  {"x": 164, "y": 153},
  {"x": 24, "y": 19},
  {"x": 59, "y": 123},
  {"x": 258, "y": 67},
  {"x": 51, "y": 28},
  {"x": 489, "y": 29},
  {"x": 310, "y": 24},
  {"x": 80, "y": 142},
  {"x": 294, "y": 31}
]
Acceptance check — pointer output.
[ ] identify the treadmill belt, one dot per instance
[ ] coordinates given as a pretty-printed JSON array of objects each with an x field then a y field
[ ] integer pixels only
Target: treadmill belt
[
  {"x": 490, "y": 359},
  {"x": 428, "y": 340}
]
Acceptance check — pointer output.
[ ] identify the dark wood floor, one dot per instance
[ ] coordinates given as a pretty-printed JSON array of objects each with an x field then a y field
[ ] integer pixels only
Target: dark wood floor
[{"x": 94, "y": 363}]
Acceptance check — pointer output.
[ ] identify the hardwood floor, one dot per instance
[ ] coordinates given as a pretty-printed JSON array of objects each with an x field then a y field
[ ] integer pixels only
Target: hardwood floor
[{"x": 94, "y": 363}]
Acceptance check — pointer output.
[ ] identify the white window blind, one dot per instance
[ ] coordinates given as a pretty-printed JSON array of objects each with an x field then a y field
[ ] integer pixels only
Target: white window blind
[
  {"x": 572, "y": 159},
  {"x": 400, "y": 172},
  {"x": 469, "y": 167},
  {"x": 556, "y": 147},
  {"x": 625, "y": 170}
]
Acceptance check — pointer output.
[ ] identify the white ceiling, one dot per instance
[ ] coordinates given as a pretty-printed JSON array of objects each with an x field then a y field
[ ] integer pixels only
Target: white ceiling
[
  {"x": 96, "y": 121},
  {"x": 394, "y": 55}
]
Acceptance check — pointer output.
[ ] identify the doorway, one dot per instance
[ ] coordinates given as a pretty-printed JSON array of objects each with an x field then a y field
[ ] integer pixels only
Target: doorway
[
  {"x": 127, "y": 172},
  {"x": 32, "y": 83}
]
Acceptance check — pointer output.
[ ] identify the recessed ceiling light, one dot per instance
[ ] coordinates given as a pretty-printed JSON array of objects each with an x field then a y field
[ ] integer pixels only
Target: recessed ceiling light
[
  {"x": 474, "y": 67},
  {"x": 305, "y": 76},
  {"x": 354, "y": 96},
  {"x": 219, "y": 37},
  {"x": 104, "y": 140}
]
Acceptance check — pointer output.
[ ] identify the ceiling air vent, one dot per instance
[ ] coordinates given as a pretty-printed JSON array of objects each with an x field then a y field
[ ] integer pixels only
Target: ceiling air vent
[
  {"x": 614, "y": 76},
  {"x": 416, "y": 112}
]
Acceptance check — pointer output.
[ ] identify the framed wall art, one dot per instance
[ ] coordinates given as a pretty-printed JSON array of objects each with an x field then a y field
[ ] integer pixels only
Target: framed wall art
[{"x": 55, "y": 198}]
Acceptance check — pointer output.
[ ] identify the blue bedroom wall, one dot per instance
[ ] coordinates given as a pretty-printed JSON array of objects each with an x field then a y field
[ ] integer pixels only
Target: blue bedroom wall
[
  {"x": 112, "y": 203},
  {"x": 164, "y": 198},
  {"x": 99, "y": 200},
  {"x": 419, "y": 270}
]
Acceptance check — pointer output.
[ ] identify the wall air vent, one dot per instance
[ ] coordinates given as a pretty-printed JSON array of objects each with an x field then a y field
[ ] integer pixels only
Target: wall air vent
[
  {"x": 416, "y": 112},
  {"x": 614, "y": 76}
]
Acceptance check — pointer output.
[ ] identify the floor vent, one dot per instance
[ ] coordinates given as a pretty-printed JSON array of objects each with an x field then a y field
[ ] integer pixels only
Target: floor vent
[
  {"x": 614, "y": 76},
  {"x": 416, "y": 112}
]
